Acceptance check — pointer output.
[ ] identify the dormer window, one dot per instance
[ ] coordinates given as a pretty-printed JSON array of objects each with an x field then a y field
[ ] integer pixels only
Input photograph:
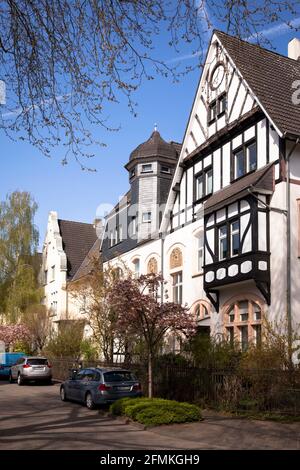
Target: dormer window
[{"x": 146, "y": 168}]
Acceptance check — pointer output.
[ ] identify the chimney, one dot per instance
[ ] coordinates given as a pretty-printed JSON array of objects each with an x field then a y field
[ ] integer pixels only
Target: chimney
[
  {"x": 294, "y": 49},
  {"x": 98, "y": 226}
]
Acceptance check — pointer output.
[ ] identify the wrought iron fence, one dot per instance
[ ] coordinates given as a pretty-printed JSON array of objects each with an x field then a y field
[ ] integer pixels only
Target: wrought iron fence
[{"x": 268, "y": 391}]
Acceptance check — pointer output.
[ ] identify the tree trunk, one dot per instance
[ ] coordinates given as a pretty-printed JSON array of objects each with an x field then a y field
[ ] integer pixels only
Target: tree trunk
[{"x": 150, "y": 375}]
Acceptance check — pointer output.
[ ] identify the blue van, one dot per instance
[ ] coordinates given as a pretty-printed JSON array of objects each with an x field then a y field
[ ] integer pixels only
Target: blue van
[{"x": 7, "y": 360}]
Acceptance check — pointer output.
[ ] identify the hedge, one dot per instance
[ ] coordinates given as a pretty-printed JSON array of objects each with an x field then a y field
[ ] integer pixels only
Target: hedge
[{"x": 156, "y": 411}]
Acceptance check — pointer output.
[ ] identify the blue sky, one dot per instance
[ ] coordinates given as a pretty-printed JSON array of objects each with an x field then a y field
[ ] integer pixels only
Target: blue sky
[{"x": 75, "y": 194}]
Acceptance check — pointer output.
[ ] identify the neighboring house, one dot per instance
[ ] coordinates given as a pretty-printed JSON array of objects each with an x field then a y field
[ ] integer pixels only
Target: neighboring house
[
  {"x": 67, "y": 253},
  {"x": 220, "y": 218}
]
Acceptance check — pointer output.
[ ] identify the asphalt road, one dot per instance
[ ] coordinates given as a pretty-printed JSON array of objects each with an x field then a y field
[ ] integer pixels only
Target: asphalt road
[{"x": 34, "y": 417}]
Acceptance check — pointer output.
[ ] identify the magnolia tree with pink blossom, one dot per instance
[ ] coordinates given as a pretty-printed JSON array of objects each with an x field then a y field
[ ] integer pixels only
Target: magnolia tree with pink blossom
[
  {"x": 140, "y": 313},
  {"x": 10, "y": 334}
]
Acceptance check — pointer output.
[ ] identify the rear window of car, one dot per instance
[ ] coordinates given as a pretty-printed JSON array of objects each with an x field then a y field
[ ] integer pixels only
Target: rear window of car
[
  {"x": 119, "y": 376},
  {"x": 37, "y": 362}
]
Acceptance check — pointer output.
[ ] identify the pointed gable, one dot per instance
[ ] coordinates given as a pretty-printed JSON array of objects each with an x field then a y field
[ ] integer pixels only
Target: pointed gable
[
  {"x": 77, "y": 239},
  {"x": 270, "y": 77}
]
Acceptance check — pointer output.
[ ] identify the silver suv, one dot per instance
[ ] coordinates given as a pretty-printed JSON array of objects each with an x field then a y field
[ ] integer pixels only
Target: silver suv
[{"x": 31, "y": 368}]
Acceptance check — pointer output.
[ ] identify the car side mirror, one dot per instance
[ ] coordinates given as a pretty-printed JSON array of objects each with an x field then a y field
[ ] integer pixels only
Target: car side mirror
[{"x": 73, "y": 374}]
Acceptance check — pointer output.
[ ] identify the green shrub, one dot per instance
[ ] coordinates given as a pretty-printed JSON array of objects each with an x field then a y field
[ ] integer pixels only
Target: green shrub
[{"x": 156, "y": 411}]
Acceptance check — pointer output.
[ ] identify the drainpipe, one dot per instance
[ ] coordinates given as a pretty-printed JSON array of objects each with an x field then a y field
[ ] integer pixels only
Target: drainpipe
[
  {"x": 288, "y": 254},
  {"x": 162, "y": 265}
]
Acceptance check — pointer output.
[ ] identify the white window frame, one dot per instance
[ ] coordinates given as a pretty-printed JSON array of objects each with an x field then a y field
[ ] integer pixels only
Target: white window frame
[
  {"x": 133, "y": 226},
  {"x": 222, "y": 237},
  {"x": 248, "y": 156},
  {"x": 165, "y": 169},
  {"x": 148, "y": 219},
  {"x": 200, "y": 251},
  {"x": 137, "y": 266},
  {"x": 177, "y": 287},
  {"x": 232, "y": 234},
  {"x": 150, "y": 170}
]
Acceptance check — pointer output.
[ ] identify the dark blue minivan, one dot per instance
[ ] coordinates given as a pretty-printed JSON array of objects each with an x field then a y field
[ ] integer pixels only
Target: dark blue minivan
[
  {"x": 99, "y": 386},
  {"x": 8, "y": 359}
]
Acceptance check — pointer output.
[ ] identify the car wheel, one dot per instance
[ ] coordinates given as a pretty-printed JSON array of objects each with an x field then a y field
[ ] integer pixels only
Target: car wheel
[
  {"x": 20, "y": 380},
  {"x": 89, "y": 402},
  {"x": 63, "y": 395},
  {"x": 11, "y": 380}
]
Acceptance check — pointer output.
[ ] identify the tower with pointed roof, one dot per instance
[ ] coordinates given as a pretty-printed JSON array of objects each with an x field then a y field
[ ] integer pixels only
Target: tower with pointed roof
[{"x": 151, "y": 167}]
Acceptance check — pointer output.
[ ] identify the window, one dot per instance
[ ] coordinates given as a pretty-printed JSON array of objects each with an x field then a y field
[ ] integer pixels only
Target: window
[
  {"x": 217, "y": 108},
  {"x": 242, "y": 321},
  {"x": 244, "y": 338},
  {"x": 234, "y": 238},
  {"x": 133, "y": 226},
  {"x": 251, "y": 157},
  {"x": 245, "y": 159},
  {"x": 200, "y": 186},
  {"x": 200, "y": 252},
  {"x": 230, "y": 335},
  {"x": 177, "y": 288},
  {"x": 147, "y": 168},
  {"x": 136, "y": 265},
  {"x": 222, "y": 104},
  {"x": 204, "y": 183},
  {"x": 202, "y": 310},
  {"x": 212, "y": 112},
  {"x": 165, "y": 169},
  {"x": 146, "y": 217},
  {"x": 239, "y": 164},
  {"x": 120, "y": 233},
  {"x": 116, "y": 236},
  {"x": 257, "y": 334},
  {"x": 229, "y": 240},
  {"x": 132, "y": 173},
  {"x": 52, "y": 273},
  {"x": 46, "y": 276},
  {"x": 223, "y": 242}
]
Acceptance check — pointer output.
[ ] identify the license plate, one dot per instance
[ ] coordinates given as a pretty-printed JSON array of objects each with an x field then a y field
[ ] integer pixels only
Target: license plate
[
  {"x": 39, "y": 368},
  {"x": 123, "y": 389}
]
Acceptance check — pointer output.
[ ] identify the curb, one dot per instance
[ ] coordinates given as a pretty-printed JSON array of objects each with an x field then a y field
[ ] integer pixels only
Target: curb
[{"x": 124, "y": 420}]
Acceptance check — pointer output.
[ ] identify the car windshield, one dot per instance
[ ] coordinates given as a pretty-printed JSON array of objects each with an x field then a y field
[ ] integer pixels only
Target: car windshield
[
  {"x": 36, "y": 362},
  {"x": 119, "y": 376}
]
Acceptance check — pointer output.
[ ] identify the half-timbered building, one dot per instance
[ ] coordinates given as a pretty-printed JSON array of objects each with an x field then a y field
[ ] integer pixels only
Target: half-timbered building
[{"x": 228, "y": 239}]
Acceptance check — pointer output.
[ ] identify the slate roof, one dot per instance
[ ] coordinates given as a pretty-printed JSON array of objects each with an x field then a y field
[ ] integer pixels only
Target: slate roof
[
  {"x": 156, "y": 146},
  {"x": 78, "y": 238},
  {"x": 260, "y": 181},
  {"x": 87, "y": 265},
  {"x": 270, "y": 77}
]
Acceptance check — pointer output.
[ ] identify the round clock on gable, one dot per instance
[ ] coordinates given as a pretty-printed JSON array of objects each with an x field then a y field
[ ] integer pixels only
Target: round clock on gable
[{"x": 217, "y": 76}]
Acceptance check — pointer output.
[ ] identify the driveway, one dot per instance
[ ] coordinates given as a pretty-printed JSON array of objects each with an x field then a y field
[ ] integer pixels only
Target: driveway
[{"x": 33, "y": 417}]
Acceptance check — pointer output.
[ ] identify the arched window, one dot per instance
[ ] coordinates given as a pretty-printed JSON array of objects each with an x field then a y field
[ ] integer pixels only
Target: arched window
[
  {"x": 242, "y": 322},
  {"x": 152, "y": 266},
  {"x": 201, "y": 310},
  {"x": 136, "y": 267},
  {"x": 118, "y": 273},
  {"x": 176, "y": 258}
]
